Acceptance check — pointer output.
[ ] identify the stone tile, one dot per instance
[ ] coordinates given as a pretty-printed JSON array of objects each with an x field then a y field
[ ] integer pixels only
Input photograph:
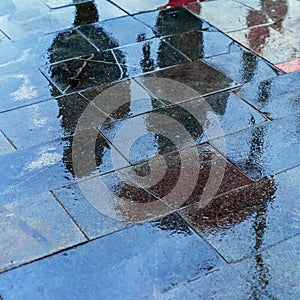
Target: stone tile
[
  {"x": 265, "y": 149},
  {"x": 146, "y": 255},
  {"x": 242, "y": 66},
  {"x": 114, "y": 33},
  {"x": 44, "y": 121},
  {"x": 201, "y": 44},
  {"x": 173, "y": 21},
  {"x": 92, "y": 222},
  {"x": 230, "y": 114},
  {"x": 122, "y": 100},
  {"x": 64, "y": 45},
  {"x": 5, "y": 145},
  {"x": 221, "y": 284},
  {"x": 247, "y": 220},
  {"x": 277, "y": 97},
  {"x": 140, "y": 6},
  {"x": 188, "y": 176},
  {"x": 275, "y": 271},
  {"x": 180, "y": 126},
  {"x": 111, "y": 203},
  {"x": 81, "y": 73},
  {"x": 21, "y": 23},
  {"x": 235, "y": 16},
  {"x": 24, "y": 88},
  {"x": 33, "y": 228},
  {"x": 51, "y": 165},
  {"x": 290, "y": 66},
  {"x": 185, "y": 82},
  {"x": 270, "y": 42},
  {"x": 147, "y": 56}
]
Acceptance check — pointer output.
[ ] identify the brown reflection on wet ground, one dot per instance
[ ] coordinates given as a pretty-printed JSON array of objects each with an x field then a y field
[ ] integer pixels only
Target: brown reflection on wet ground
[{"x": 234, "y": 207}]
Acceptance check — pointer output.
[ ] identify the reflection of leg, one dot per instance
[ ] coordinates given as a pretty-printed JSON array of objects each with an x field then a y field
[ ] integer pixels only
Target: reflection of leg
[{"x": 86, "y": 13}]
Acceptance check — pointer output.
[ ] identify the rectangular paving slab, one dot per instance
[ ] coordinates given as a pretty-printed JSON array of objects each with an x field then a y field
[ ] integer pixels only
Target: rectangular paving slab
[
  {"x": 186, "y": 81},
  {"x": 147, "y": 56},
  {"x": 250, "y": 219},
  {"x": 51, "y": 165},
  {"x": 173, "y": 21},
  {"x": 275, "y": 272},
  {"x": 34, "y": 227},
  {"x": 45, "y": 121},
  {"x": 117, "y": 32},
  {"x": 148, "y": 256},
  {"x": 242, "y": 66},
  {"x": 277, "y": 97},
  {"x": 265, "y": 149},
  {"x": 188, "y": 176}
]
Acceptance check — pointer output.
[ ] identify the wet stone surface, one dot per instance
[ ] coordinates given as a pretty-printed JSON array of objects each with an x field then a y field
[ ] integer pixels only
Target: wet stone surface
[
  {"x": 81, "y": 73},
  {"x": 122, "y": 100},
  {"x": 113, "y": 199},
  {"x": 259, "y": 151},
  {"x": 272, "y": 275},
  {"x": 235, "y": 16},
  {"x": 23, "y": 89},
  {"x": 250, "y": 219},
  {"x": 139, "y": 261},
  {"x": 221, "y": 284},
  {"x": 242, "y": 66},
  {"x": 5, "y": 145},
  {"x": 266, "y": 40},
  {"x": 44, "y": 122},
  {"x": 277, "y": 97},
  {"x": 197, "y": 75},
  {"x": 173, "y": 21},
  {"x": 201, "y": 44},
  {"x": 180, "y": 126},
  {"x": 33, "y": 228},
  {"x": 50, "y": 165},
  {"x": 116, "y": 32},
  {"x": 146, "y": 57},
  {"x": 180, "y": 178}
]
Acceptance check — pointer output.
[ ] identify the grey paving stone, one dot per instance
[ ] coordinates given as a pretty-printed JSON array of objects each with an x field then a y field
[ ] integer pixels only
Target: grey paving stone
[
  {"x": 51, "y": 165},
  {"x": 24, "y": 88},
  {"x": 122, "y": 100},
  {"x": 201, "y": 44},
  {"x": 61, "y": 3},
  {"x": 147, "y": 56},
  {"x": 235, "y": 16},
  {"x": 91, "y": 221},
  {"x": 242, "y": 66},
  {"x": 275, "y": 271},
  {"x": 45, "y": 121},
  {"x": 252, "y": 218},
  {"x": 221, "y": 284},
  {"x": 266, "y": 149},
  {"x": 277, "y": 97},
  {"x": 5, "y": 145},
  {"x": 84, "y": 72},
  {"x": 23, "y": 23},
  {"x": 113, "y": 33},
  {"x": 34, "y": 227},
  {"x": 187, "y": 124},
  {"x": 173, "y": 21},
  {"x": 149, "y": 256},
  {"x": 190, "y": 80}
]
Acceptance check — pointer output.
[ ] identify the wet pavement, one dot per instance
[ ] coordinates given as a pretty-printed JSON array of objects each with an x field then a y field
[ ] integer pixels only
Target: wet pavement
[{"x": 149, "y": 149}]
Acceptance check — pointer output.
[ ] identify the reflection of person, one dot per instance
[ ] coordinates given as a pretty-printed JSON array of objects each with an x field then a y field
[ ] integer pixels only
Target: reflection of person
[
  {"x": 193, "y": 4},
  {"x": 275, "y": 10}
]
